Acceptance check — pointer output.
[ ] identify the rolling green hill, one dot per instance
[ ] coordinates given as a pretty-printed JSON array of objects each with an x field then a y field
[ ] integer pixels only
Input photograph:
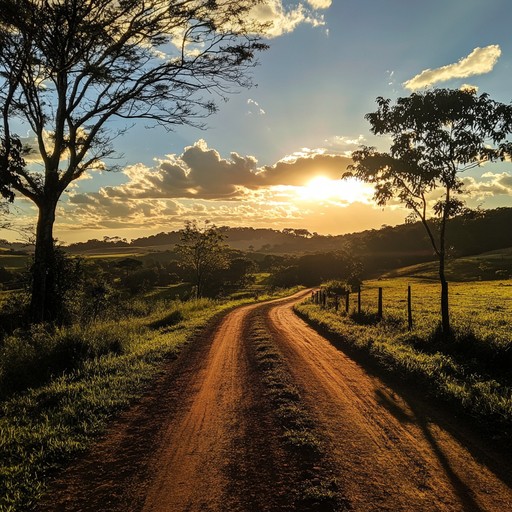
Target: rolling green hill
[{"x": 493, "y": 265}]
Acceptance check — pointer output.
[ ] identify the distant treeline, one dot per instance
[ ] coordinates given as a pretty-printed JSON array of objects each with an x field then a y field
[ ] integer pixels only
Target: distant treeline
[{"x": 378, "y": 249}]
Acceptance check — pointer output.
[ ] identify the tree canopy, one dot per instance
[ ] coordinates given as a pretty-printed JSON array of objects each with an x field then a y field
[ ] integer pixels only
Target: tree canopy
[
  {"x": 202, "y": 250},
  {"x": 70, "y": 68},
  {"x": 436, "y": 136}
]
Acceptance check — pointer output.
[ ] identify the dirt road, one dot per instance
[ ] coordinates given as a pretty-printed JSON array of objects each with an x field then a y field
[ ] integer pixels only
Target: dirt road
[
  {"x": 204, "y": 437},
  {"x": 394, "y": 451}
]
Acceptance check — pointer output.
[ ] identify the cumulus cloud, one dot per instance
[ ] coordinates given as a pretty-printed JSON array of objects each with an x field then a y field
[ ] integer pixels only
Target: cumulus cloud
[
  {"x": 201, "y": 184},
  {"x": 490, "y": 185},
  {"x": 478, "y": 62},
  {"x": 97, "y": 210},
  {"x": 468, "y": 87},
  {"x": 299, "y": 171},
  {"x": 201, "y": 173},
  {"x": 280, "y": 20}
]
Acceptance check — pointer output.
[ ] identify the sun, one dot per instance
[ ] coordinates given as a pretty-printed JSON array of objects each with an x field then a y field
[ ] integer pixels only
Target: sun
[{"x": 348, "y": 190}]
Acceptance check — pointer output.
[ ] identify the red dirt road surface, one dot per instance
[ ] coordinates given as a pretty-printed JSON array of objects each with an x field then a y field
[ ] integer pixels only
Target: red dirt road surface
[{"x": 204, "y": 437}]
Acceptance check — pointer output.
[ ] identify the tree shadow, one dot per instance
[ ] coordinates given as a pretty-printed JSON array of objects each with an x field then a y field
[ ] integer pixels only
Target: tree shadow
[
  {"x": 424, "y": 410},
  {"x": 462, "y": 490}
]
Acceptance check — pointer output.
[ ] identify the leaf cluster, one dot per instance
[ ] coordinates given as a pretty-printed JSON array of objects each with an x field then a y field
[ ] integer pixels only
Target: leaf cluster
[
  {"x": 436, "y": 135},
  {"x": 68, "y": 68}
]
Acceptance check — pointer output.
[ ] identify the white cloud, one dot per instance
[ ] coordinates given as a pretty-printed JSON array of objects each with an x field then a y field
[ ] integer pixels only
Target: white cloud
[
  {"x": 468, "y": 87},
  {"x": 320, "y": 4},
  {"x": 281, "y": 20},
  {"x": 490, "y": 185},
  {"x": 479, "y": 61}
]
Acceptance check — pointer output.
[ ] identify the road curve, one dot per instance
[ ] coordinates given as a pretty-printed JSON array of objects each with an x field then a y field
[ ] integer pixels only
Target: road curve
[
  {"x": 394, "y": 452},
  {"x": 203, "y": 439},
  {"x": 190, "y": 472}
]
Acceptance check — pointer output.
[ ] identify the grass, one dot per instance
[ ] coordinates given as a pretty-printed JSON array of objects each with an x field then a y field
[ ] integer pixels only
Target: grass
[
  {"x": 49, "y": 416},
  {"x": 14, "y": 261},
  {"x": 470, "y": 369},
  {"x": 483, "y": 307},
  {"x": 317, "y": 492},
  {"x": 493, "y": 265}
]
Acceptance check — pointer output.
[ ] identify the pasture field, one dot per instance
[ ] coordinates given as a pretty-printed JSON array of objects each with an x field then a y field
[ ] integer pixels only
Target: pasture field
[
  {"x": 486, "y": 266},
  {"x": 469, "y": 369},
  {"x": 485, "y": 307}
]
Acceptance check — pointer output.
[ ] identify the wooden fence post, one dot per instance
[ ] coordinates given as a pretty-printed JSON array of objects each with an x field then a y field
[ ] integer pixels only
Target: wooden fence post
[
  {"x": 409, "y": 308},
  {"x": 336, "y": 303},
  {"x": 347, "y": 301},
  {"x": 379, "y": 310},
  {"x": 359, "y": 300}
]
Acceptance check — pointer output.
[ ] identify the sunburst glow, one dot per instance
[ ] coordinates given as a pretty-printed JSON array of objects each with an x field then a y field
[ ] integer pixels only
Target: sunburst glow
[{"x": 348, "y": 190}]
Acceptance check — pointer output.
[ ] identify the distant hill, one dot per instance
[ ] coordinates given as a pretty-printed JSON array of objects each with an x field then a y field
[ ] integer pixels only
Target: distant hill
[
  {"x": 380, "y": 249},
  {"x": 488, "y": 266}
]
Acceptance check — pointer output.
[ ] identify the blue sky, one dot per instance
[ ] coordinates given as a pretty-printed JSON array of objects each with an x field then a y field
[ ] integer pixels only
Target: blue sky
[{"x": 327, "y": 62}]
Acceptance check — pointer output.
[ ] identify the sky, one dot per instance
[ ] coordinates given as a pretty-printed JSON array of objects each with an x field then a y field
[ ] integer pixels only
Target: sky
[{"x": 273, "y": 155}]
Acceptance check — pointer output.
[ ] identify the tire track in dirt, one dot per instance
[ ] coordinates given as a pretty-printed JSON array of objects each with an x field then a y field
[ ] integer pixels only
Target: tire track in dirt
[
  {"x": 203, "y": 464},
  {"x": 393, "y": 451},
  {"x": 203, "y": 439}
]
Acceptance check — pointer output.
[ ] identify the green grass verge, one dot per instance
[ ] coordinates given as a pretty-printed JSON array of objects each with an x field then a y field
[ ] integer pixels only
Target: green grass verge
[
  {"x": 317, "y": 491},
  {"x": 449, "y": 369},
  {"x": 46, "y": 425}
]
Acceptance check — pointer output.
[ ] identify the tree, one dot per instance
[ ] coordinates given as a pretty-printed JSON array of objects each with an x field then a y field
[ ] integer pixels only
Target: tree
[
  {"x": 436, "y": 136},
  {"x": 68, "y": 68},
  {"x": 203, "y": 251}
]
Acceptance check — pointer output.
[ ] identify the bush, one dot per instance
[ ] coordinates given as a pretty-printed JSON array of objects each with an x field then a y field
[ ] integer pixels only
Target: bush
[{"x": 336, "y": 287}]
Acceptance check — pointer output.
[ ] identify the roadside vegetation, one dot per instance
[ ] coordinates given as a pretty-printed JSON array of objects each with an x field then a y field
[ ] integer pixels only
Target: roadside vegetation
[
  {"x": 469, "y": 369},
  {"x": 123, "y": 314},
  {"x": 59, "y": 387}
]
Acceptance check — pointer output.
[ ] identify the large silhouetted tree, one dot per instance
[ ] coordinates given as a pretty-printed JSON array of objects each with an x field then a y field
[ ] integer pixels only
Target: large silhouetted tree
[
  {"x": 436, "y": 136},
  {"x": 70, "y": 67}
]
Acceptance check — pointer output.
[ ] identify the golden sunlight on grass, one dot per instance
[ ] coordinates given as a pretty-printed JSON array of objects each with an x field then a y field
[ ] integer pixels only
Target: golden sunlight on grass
[{"x": 348, "y": 190}]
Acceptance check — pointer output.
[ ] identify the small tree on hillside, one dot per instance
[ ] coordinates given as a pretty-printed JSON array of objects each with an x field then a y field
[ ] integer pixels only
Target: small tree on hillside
[
  {"x": 202, "y": 250},
  {"x": 70, "y": 67},
  {"x": 436, "y": 136}
]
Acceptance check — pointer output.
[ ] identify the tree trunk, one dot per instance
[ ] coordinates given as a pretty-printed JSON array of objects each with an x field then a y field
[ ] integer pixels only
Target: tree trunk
[
  {"x": 445, "y": 308},
  {"x": 43, "y": 303}
]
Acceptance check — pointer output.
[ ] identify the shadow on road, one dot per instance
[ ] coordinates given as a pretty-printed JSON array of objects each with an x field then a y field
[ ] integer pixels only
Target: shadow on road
[{"x": 429, "y": 413}]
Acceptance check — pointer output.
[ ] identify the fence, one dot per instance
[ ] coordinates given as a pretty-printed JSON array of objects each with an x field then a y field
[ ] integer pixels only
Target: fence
[{"x": 326, "y": 300}]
